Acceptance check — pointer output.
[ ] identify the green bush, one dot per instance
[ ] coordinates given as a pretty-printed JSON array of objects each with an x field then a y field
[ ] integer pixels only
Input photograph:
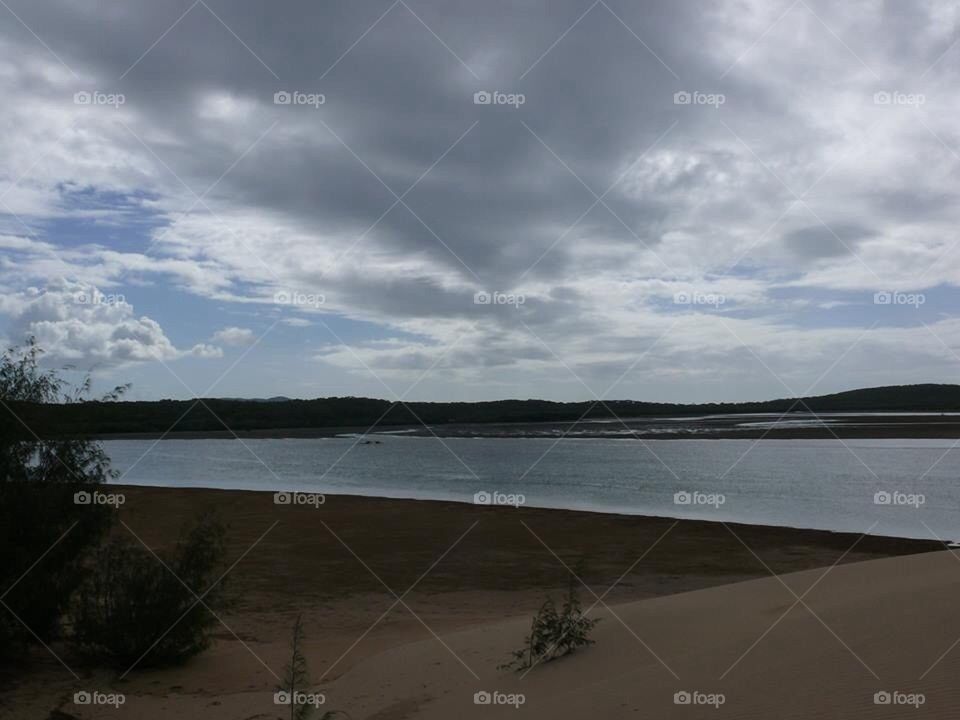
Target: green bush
[
  {"x": 44, "y": 533},
  {"x": 554, "y": 633},
  {"x": 133, "y": 610}
]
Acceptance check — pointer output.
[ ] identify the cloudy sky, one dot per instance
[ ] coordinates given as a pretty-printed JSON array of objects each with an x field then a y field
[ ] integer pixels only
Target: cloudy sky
[{"x": 672, "y": 201}]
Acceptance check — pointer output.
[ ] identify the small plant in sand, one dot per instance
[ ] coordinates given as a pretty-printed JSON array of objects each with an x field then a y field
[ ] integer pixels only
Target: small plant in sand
[
  {"x": 296, "y": 678},
  {"x": 554, "y": 633}
]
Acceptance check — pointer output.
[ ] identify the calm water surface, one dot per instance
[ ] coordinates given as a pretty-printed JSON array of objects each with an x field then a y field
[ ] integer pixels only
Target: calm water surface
[{"x": 822, "y": 484}]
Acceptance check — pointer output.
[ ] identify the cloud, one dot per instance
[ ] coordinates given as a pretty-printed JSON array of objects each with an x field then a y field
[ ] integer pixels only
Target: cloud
[
  {"x": 296, "y": 322},
  {"x": 75, "y": 322},
  {"x": 818, "y": 241},
  {"x": 598, "y": 199},
  {"x": 202, "y": 350},
  {"x": 234, "y": 336}
]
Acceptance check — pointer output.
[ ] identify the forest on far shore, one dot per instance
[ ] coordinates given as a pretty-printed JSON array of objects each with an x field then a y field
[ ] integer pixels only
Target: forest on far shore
[{"x": 217, "y": 414}]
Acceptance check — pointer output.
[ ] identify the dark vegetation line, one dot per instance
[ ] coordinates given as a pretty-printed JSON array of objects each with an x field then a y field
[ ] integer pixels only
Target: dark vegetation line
[{"x": 100, "y": 418}]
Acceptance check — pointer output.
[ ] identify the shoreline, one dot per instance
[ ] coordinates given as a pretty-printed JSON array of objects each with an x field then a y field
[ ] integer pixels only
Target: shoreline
[
  {"x": 846, "y": 427},
  {"x": 599, "y": 512}
]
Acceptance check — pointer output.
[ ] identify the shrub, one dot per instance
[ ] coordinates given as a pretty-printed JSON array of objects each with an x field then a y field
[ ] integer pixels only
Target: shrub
[
  {"x": 134, "y": 610},
  {"x": 44, "y": 534},
  {"x": 554, "y": 634},
  {"x": 296, "y": 678}
]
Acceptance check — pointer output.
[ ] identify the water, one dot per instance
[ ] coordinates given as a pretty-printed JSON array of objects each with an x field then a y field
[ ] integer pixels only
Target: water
[{"x": 823, "y": 484}]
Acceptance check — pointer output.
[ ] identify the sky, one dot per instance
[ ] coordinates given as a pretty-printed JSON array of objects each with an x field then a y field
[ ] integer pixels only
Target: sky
[{"x": 672, "y": 201}]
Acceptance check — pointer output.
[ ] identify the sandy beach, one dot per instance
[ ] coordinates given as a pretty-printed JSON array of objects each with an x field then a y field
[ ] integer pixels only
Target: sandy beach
[{"x": 410, "y": 606}]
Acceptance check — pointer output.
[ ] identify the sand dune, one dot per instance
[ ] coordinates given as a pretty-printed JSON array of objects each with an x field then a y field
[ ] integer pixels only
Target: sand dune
[
  {"x": 683, "y": 619},
  {"x": 862, "y": 628}
]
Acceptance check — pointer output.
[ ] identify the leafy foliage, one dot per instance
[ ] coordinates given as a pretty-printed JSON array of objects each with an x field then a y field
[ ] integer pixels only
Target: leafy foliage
[
  {"x": 554, "y": 633},
  {"x": 43, "y": 532},
  {"x": 135, "y": 608}
]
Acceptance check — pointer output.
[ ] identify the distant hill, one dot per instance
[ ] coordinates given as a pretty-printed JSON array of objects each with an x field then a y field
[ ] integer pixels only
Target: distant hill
[
  {"x": 276, "y": 398},
  {"x": 218, "y": 414}
]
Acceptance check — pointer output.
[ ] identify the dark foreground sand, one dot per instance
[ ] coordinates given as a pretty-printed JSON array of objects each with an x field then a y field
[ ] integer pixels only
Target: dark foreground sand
[{"x": 478, "y": 573}]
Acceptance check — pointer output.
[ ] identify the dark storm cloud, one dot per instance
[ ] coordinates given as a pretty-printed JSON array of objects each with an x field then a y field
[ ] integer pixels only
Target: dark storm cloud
[
  {"x": 820, "y": 241},
  {"x": 399, "y": 99}
]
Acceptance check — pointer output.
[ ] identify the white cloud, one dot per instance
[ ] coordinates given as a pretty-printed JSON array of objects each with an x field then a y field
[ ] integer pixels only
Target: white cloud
[
  {"x": 234, "y": 336},
  {"x": 203, "y": 350},
  {"x": 77, "y": 323}
]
